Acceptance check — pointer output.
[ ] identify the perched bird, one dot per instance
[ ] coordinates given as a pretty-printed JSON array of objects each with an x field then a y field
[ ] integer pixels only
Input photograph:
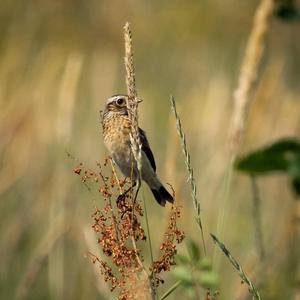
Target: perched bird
[{"x": 116, "y": 132}]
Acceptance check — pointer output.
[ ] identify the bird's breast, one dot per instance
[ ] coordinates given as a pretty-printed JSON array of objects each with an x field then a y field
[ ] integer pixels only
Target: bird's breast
[{"x": 116, "y": 133}]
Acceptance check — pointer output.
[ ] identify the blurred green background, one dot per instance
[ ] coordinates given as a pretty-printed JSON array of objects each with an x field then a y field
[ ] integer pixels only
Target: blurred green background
[{"x": 60, "y": 60}]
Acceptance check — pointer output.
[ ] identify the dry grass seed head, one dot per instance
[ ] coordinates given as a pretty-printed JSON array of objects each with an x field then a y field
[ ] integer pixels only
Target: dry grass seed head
[{"x": 173, "y": 236}]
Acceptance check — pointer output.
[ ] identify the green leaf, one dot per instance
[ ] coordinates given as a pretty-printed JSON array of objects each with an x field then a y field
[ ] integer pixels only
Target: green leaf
[
  {"x": 190, "y": 292},
  {"x": 194, "y": 251},
  {"x": 292, "y": 145},
  {"x": 287, "y": 11},
  {"x": 276, "y": 157},
  {"x": 294, "y": 167},
  {"x": 205, "y": 264},
  {"x": 294, "y": 172},
  {"x": 296, "y": 185},
  {"x": 182, "y": 259},
  {"x": 184, "y": 274},
  {"x": 209, "y": 280}
]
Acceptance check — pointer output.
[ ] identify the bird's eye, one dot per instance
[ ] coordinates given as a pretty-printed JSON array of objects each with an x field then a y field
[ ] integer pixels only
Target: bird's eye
[{"x": 120, "y": 101}]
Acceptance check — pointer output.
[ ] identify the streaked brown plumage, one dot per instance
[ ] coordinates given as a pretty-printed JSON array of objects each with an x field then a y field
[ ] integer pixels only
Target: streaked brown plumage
[{"x": 116, "y": 133}]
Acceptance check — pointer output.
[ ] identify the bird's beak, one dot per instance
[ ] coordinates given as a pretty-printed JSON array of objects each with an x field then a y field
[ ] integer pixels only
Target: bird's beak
[{"x": 139, "y": 101}]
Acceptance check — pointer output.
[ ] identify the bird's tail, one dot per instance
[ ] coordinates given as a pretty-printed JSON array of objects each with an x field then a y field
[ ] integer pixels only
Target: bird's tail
[{"x": 161, "y": 195}]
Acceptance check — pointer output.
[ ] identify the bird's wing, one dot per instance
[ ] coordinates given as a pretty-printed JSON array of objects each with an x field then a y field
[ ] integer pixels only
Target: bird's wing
[{"x": 146, "y": 148}]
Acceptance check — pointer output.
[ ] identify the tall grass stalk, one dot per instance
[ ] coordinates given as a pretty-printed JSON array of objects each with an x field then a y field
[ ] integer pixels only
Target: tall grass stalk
[
  {"x": 40, "y": 254},
  {"x": 256, "y": 215},
  {"x": 149, "y": 240},
  {"x": 171, "y": 290},
  {"x": 224, "y": 195},
  {"x": 190, "y": 171},
  {"x": 249, "y": 71},
  {"x": 238, "y": 267},
  {"x": 132, "y": 101},
  {"x": 64, "y": 125},
  {"x": 136, "y": 144},
  {"x": 147, "y": 227},
  {"x": 242, "y": 95}
]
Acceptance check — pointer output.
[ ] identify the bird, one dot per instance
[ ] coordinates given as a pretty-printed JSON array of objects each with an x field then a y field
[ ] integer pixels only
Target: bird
[{"x": 116, "y": 126}]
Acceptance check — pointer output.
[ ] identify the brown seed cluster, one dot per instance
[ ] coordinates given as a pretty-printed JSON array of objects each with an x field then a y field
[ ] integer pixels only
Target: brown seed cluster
[
  {"x": 119, "y": 231},
  {"x": 117, "y": 225},
  {"x": 173, "y": 236}
]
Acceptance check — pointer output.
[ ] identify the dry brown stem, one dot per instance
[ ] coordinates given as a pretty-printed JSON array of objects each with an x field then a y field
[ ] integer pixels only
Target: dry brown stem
[
  {"x": 40, "y": 255},
  {"x": 132, "y": 103},
  {"x": 248, "y": 72}
]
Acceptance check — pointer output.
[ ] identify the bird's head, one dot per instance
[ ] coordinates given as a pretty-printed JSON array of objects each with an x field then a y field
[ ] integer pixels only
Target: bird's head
[{"x": 117, "y": 104}]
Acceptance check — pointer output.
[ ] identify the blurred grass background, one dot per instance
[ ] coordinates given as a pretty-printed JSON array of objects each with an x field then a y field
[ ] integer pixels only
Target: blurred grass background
[{"x": 60, "y": 60}]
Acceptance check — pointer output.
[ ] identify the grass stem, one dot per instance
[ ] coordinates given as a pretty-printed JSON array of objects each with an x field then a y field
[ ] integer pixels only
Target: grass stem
[
  {"x": 171, "y": 290},
  {"x": 238, "y": 267},
  {"x": 190, "y": 170}
]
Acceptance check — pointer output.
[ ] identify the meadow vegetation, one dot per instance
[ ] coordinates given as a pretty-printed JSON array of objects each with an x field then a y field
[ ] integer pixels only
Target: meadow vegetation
[{"x": 233, "y": 70}]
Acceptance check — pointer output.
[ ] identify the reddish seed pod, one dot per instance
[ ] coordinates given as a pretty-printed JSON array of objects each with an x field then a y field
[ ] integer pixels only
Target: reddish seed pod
[
  {"x": 117, "y": 224},
  {"x": 77, "y": 170}
]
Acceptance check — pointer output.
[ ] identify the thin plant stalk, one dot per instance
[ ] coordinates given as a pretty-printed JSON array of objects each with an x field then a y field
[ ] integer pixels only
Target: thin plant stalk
[
  {"x": 150, "y": 242},
  {"x": 63, "y": 133},
  {"x": 224, "y": 196},
  {"x": 238, "y": 267},
  {"x": 249, "y": 71},
  {"x": 242, "y": 94},
  {"x": 132, "y": 108},
  {"x": 112, "y": 164},
  {"x": 148, "y": 228},
  {"x": 171, "y": 290},
  {"x": 39, "y": 257},
  {"x": 256, "y": 214},
  {"x": 135, "y": 141},
  {"x": 190, "y": 170},
  {"x": 132, "y": 100}
]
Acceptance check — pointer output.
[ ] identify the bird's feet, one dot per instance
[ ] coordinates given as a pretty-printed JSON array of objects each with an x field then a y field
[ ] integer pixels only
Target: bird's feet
[{"x": 122, "y": 204}]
